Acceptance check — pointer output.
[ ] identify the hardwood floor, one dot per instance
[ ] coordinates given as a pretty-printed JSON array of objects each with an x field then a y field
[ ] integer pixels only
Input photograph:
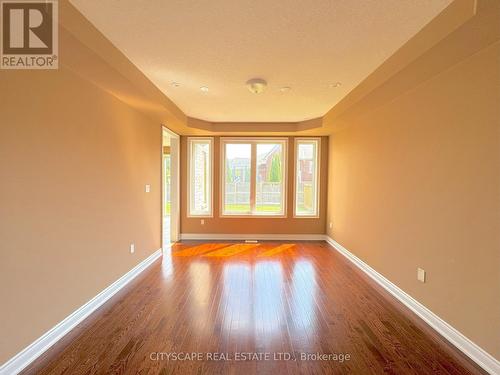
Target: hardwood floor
[{"x": 223, "y": 299}]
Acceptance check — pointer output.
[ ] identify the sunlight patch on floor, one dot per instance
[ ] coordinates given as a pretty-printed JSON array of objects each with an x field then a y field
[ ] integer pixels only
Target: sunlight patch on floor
[
  {"x": 276, "y": 250},
  {"x": 224, "y": 250},
  {"x": 231, "y": 250},
  {"x": 200, "y": 249}
]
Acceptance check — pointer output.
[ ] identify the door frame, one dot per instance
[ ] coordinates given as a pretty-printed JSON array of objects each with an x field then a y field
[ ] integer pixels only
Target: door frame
[{"x": 175, "y": 207}]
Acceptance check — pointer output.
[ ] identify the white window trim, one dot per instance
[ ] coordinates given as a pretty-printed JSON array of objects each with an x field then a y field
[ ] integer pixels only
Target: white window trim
[
  {"x": 253, "y": 141},
  {"x": 317, "y": 177},
  {"x": 190, "y": 141}
]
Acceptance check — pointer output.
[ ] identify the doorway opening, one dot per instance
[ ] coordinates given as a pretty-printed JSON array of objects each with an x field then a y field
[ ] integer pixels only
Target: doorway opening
[{"x": 170, "y": 188}]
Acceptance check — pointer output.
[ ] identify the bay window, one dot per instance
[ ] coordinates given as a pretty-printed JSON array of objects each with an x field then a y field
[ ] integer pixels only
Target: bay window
[
  {"x": 306, "y": 200},
  {"x": 253, "y": 175},
  {"x": 200, "y": 151}
]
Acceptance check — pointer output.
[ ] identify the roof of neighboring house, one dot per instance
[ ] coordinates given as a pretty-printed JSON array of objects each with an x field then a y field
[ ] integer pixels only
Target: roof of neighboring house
[{"x": 271, "y": 152}]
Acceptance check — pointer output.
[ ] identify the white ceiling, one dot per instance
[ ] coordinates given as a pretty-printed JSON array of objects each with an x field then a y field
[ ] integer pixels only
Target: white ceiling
[{"x": 306, "y": 45}]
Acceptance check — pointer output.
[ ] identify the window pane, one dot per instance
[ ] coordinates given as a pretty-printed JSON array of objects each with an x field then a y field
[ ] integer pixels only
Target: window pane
[
  {"x": 306, "y": 185},
  {"x": 269, "y": 179},
  {"x": 237, "y": 178},
  {"x": 201, "y": 179},
  {"x": 167, "y": 190}
]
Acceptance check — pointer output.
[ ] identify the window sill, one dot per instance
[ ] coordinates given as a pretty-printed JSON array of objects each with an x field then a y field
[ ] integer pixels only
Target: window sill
[
  {"x": 251, "y": 216},
  {"x": 200, "y": 216}
]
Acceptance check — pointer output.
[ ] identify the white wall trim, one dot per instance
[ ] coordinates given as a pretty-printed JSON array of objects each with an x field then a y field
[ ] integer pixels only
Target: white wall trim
[
  {"x": 21, "y": 360},
  {"x": 464, "y": 344},
  {"x": 242, "y": 237}
]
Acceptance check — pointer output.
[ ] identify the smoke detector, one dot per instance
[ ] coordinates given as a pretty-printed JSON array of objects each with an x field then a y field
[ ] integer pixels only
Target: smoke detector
[{"x": 256, "y": 85}]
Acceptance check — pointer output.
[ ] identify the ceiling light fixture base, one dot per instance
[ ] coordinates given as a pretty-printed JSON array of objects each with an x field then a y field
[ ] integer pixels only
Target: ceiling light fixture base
[{"x": 256, "y": 85}]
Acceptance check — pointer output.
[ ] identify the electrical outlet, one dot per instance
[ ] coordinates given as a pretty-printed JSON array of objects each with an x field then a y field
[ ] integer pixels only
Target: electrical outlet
[
  {"x": 330, "y": 225},
  {"x": 132, "y": 248},
  {"x": 148, "y": 188},
  {"x": 421, "y": 275},
  {"x": 202, "y": 221}
]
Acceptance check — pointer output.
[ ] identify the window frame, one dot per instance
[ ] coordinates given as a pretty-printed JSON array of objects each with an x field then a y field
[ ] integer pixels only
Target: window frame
[
  {"x": 296, "y": 142},
  {"x": 253, "y": 141},
  {"x": 190, "y": 141}
]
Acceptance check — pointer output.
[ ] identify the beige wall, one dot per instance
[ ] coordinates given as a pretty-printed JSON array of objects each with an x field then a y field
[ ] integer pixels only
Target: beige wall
[
  {"x": 73, "y": 164},
  {"x": 416, "y": 183},
  {"x": 254, "y": 225}
]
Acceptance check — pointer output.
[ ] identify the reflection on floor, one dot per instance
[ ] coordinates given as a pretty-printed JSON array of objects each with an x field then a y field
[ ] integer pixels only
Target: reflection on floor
[{"x": 266, "y": 308}]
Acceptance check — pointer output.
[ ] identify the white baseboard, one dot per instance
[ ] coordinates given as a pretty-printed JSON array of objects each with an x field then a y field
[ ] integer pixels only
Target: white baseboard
[
  {"x": 21, "y": 360},
  {"x": 242, "y": 237},
  {"x": 469, "y": 348}
]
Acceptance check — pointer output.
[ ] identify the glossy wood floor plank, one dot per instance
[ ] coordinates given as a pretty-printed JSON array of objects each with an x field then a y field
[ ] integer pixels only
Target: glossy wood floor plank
[{"x": 276, "y": 299}]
